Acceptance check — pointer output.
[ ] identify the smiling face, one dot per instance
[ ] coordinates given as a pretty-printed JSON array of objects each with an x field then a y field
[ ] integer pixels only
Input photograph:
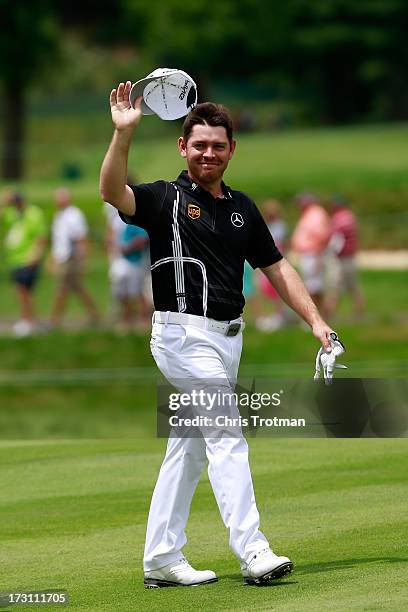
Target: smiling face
[{"x": 208, "y": 152}]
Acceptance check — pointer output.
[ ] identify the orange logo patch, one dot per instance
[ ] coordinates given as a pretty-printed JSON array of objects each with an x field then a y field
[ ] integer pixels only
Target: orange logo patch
[{"x": 193, "y": 211}]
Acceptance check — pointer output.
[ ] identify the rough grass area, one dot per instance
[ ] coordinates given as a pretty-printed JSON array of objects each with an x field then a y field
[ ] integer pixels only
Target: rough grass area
[{"x": 94, "y": 383}]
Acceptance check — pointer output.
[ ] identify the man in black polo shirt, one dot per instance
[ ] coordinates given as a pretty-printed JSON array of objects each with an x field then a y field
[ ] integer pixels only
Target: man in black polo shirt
[{"x": 201, "y": 232}]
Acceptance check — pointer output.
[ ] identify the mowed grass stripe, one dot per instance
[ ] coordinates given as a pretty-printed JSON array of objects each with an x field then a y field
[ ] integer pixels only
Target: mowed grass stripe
[
  {"x": 24, "y": 467},
  {"x": 75, "y": 477}
]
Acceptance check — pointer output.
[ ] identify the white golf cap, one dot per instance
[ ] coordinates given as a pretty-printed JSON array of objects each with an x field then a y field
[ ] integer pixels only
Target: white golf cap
[{"x": 167, "y": 92}]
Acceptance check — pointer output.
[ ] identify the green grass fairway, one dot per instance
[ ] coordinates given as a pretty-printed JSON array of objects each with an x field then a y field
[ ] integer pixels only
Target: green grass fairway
[{"x": 73, "y": 517}]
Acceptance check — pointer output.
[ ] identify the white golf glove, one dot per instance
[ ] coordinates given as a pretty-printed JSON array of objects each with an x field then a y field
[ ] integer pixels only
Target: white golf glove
[{"x": 327, "y": 361}]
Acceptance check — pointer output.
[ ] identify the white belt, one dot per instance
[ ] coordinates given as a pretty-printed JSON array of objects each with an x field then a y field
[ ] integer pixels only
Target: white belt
[{"x": 180, "y": 318}]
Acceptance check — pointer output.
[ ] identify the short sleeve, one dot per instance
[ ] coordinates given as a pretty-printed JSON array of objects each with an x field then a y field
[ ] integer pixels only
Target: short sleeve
[
  {"x": 78, "y": 225},
  {"x": 262, "y": 250},
  {"x": 149, "y": 198},
  {"x": 40, "y": 226},
  {"x": 135, "y": 231},
  {"x": 110, "y": 213}
]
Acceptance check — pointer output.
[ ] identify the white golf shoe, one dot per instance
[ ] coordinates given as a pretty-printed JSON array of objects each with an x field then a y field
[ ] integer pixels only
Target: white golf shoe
[
  {"x": 266, "y": 566},
  {"x": 179, "y": 573}
]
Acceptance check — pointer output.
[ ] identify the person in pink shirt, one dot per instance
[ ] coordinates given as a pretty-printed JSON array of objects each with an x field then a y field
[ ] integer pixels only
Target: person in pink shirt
[
  {"x": 310, "y": 240},
  {"x": 344, "y": 243}
]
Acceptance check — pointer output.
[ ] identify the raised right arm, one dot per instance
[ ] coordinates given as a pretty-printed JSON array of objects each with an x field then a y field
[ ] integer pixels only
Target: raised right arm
[{"x": 114, "y": 170}]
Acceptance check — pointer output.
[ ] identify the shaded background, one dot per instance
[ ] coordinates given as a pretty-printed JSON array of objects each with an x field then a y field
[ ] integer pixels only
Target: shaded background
[
  {"x": 281, "y": 69},
  {"x": 309, "y": 63}
]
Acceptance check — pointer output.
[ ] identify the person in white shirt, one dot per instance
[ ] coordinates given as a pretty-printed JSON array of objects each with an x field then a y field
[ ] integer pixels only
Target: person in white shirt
[
  {"x": 69, "y": 248},
  {"x": 129, "y": 271}
]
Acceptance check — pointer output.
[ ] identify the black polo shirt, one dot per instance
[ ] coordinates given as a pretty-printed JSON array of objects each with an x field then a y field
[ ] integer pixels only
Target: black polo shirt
[{"x": 199, "y": 244}]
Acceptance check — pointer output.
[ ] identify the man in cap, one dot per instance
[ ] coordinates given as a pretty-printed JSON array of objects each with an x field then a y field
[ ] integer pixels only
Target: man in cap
[{"x": 201, "y": 231}]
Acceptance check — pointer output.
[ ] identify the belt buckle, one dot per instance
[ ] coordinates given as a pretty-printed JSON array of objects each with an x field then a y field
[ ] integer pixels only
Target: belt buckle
[{"x": 233, "y": 329}]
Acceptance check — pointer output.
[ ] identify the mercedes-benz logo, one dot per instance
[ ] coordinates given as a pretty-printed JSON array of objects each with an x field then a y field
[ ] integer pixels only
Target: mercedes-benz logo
[{"x": 237, "y": 220}]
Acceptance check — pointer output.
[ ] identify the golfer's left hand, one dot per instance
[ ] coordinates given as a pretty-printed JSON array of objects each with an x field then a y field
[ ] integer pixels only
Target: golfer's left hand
[{"x": 322, "y": 332}]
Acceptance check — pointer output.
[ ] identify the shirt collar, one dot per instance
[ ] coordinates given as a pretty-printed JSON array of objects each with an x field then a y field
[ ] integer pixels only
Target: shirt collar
[{"x": 189, "y": 185}]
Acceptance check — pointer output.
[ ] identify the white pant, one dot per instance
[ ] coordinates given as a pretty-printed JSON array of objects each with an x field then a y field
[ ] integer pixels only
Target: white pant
[
  {"x": 313, "y": 270},
  {"x": 127, "y": 278},
  {"x": 183, "y": 353}
]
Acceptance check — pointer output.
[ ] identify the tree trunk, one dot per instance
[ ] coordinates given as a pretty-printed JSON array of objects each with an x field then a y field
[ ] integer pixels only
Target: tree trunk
[{"x": 13, "y": 128}]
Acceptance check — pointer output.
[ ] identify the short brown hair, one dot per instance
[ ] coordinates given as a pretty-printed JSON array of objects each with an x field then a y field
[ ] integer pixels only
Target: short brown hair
[{"x": 208, "y": 113}]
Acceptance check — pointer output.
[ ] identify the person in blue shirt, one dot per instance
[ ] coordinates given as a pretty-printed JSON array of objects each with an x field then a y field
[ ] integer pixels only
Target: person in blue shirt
[{"x": 129, "y": 273}]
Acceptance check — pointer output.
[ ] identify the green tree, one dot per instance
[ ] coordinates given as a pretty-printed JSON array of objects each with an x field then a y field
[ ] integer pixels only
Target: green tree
[
  {"x": 28, "y": 45},
  {"x": 345, "y": 59}
]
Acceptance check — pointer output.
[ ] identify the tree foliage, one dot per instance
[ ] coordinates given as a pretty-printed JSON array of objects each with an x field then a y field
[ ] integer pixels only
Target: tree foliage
[
  {"x": 27, "y": 44},
  {"x": 345, "y": 60}
]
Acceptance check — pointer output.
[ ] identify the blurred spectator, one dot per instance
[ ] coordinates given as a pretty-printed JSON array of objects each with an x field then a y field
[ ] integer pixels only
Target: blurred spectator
[
  {"x": 344, "y": 245},
  {"x": 69, "y": 250},
  {"x": 25, "y": 242},
  {"x": 310, "y": 241},
  {"x": 249, "y": 291},
  {"x": 272, "y": 212},
  {"x": 128, "y": 250}
]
